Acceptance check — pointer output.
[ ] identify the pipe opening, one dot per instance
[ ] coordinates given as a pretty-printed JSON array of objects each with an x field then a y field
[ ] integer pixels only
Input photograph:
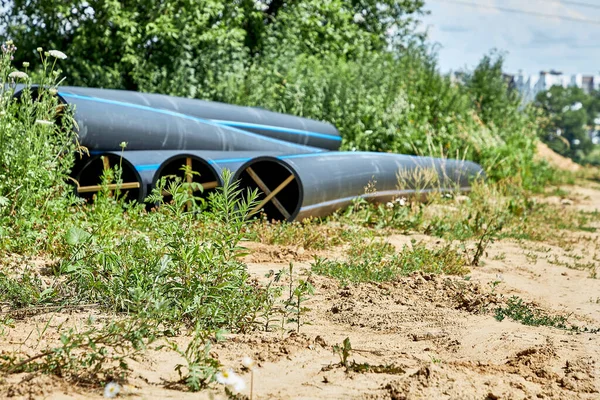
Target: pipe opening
[
  {"x": 203, "y": 173},
  {"x": 278, "y": 187},
  {"x": 89, "y": 178}
]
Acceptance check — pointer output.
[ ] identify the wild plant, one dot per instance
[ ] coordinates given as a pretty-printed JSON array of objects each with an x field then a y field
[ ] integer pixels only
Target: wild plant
[
  {"x": 95, "y": 354},
  {"x": 201, "y": 367},
  {"x": 377, "y": 261},
  {"x": 343, "y": 351},
  {"x": 180, "y": 271},
  {"x": 35, "y": 153}
]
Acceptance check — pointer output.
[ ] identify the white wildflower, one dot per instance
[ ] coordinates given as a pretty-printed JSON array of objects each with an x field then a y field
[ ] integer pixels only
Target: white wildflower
[
  {"x": 389, "y": 204},
  {"x": 43, "y": 122},
  {"x": 248, "y": 363},
  {"x": 237, "y": 384},
  {"x": 53, "y": 91},
  {"x": 358, "y": 18},
  {"x": 25, "y": 64},
  {"x": 57, "y": 54},
  {"x": 401, "y": 201},
  {"x": 234, "y": 382},
  {"x": 111, "y": 390},
  {"x": 224, "y": 377},
  {"x": 18, "y": 75},
  {"x": 39, "y": 49},
  {"x": 259, "y": 5}
]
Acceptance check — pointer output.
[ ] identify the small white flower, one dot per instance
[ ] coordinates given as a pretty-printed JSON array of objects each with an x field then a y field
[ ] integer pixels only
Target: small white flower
[
  {"x": 111, "y": 390},
  {"x": 389, "y": 204},
  {"x": 248, "y": 363},
  {"x": 43, "y": 122},
  {"x": 224, "y": 376},
  {"x": 57, "y": 54},
  {"x": 53, "y": 91},
  {"x": 401, "y": 201},
  {"x": 18, "y": 75},
  {"x": 25, "y": 64},
  {"x": 230, "y": 379},
  {"x": 237, "y": 384},
  {"x": 358, "y": 18}
]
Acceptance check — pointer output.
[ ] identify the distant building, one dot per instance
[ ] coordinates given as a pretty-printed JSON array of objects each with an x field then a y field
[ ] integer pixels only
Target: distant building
[{"x": 530, "y": 85}]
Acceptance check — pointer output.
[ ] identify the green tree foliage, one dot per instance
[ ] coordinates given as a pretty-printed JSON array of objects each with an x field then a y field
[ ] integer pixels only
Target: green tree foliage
[
  {"x": 189, "y": 47},
  {"x": 570, "y": 115},
  {"x": 489, "y": 92}
]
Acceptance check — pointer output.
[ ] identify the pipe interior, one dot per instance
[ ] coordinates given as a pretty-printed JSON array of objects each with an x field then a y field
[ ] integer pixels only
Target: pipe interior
[
  {"x": 174, "y": 168},
  {"x": 273, "y": 174},
  {"x": 91, "y": 175}
]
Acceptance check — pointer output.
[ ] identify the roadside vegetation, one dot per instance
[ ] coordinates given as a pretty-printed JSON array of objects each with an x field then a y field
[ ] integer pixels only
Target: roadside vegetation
[{"x": 179, "y": 270}]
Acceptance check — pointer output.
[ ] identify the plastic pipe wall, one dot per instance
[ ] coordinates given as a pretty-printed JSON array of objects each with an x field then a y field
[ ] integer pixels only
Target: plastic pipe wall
[
  {"x": 267, "y": 123},
  {"x": 104, "y": 124},
  {"x": 326, "y": 182}
]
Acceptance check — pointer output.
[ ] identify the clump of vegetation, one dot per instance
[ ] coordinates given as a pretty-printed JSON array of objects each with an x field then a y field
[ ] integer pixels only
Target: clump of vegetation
[
  {"x": 377, "y": 261},
  {"x": 527, "y": 314},
  {"x": 308, "y": 234}
]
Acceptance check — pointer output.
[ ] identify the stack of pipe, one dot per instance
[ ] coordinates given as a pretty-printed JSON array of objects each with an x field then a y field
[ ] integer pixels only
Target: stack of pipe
[{"x": 292, "y": 161}]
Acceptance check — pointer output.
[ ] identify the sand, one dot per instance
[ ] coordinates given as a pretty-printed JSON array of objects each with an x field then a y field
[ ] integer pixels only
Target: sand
[{"x": 420, "y": 337}]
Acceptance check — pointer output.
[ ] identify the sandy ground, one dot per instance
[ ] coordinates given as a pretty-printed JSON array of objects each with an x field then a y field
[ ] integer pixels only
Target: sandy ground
[{"x": 423, "y": 337}]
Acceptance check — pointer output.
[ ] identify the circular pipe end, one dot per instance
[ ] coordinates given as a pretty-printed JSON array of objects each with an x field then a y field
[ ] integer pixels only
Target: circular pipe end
[
  {"x": 279, "y": 187},
  {"x": 89, "y": 178},
  {"x": 204, "y": 173}
]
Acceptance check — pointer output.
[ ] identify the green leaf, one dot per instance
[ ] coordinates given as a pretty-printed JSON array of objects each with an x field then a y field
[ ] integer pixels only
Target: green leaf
[{"x": 76, "y": 236}]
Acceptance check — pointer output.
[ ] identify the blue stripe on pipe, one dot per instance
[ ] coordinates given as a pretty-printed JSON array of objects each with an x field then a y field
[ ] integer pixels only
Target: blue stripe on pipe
[
  {"x": 334, "y": 153},
  {"x": 277, "y": 129},
  {"x": 147, "y": 167},
  {"x": 179, "y": 115},
  {"x": 228, "y": 160}
]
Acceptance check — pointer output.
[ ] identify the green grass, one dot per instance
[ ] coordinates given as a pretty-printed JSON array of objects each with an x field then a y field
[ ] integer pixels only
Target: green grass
[{"x": 377, "y": 261}]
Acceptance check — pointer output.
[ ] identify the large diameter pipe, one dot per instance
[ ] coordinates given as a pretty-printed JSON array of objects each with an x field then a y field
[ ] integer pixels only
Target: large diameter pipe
[
  {"x": 104, "y": 124},
  {"x": 316, "y": 185},
  {"x": 284, "y": 127},
  {"x": 143, "y": 169},
  {"x": 88, "y": 176}
]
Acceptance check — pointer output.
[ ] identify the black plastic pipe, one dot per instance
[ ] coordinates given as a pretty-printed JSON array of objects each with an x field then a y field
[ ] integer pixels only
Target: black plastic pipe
[
  {"x": 263, "y": 122},
  {"x": 103, "y": 124},
  {"x": 316, "y": 185},
  {"x": 145, "y": 168}
]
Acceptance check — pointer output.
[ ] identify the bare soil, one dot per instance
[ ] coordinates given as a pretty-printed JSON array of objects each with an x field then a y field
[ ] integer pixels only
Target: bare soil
[{"x": 420, "y": 337}]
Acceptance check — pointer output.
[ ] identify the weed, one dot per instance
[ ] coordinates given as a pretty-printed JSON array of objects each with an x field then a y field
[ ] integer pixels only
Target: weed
[
  {"x": 308, "y": 234},
  {"x": 345, "y": 349},
  {"x": 435, "y": 360},
  {"x": 201, "y": 367},
  {"x": 528, "y": 314},
  {"x": 88, "y": 356},
  {"x": 376, "y": 261},
  {"x": 297, "y": 295}
]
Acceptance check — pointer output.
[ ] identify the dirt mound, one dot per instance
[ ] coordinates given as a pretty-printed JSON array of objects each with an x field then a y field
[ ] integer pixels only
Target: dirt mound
[
  {"x": 556, "y": 160},
  {"x": 415, "y": 304}
]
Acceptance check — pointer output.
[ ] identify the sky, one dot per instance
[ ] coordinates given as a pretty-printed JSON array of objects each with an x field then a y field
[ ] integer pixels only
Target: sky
[{"x": 465, "y": 33}]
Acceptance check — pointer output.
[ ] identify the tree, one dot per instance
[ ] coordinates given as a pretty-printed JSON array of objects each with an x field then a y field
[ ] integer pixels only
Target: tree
[
  {"x": 495, "y": 103},
  {"x": 569, "y": 111},
  {"x": 189, "y": 47}
]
